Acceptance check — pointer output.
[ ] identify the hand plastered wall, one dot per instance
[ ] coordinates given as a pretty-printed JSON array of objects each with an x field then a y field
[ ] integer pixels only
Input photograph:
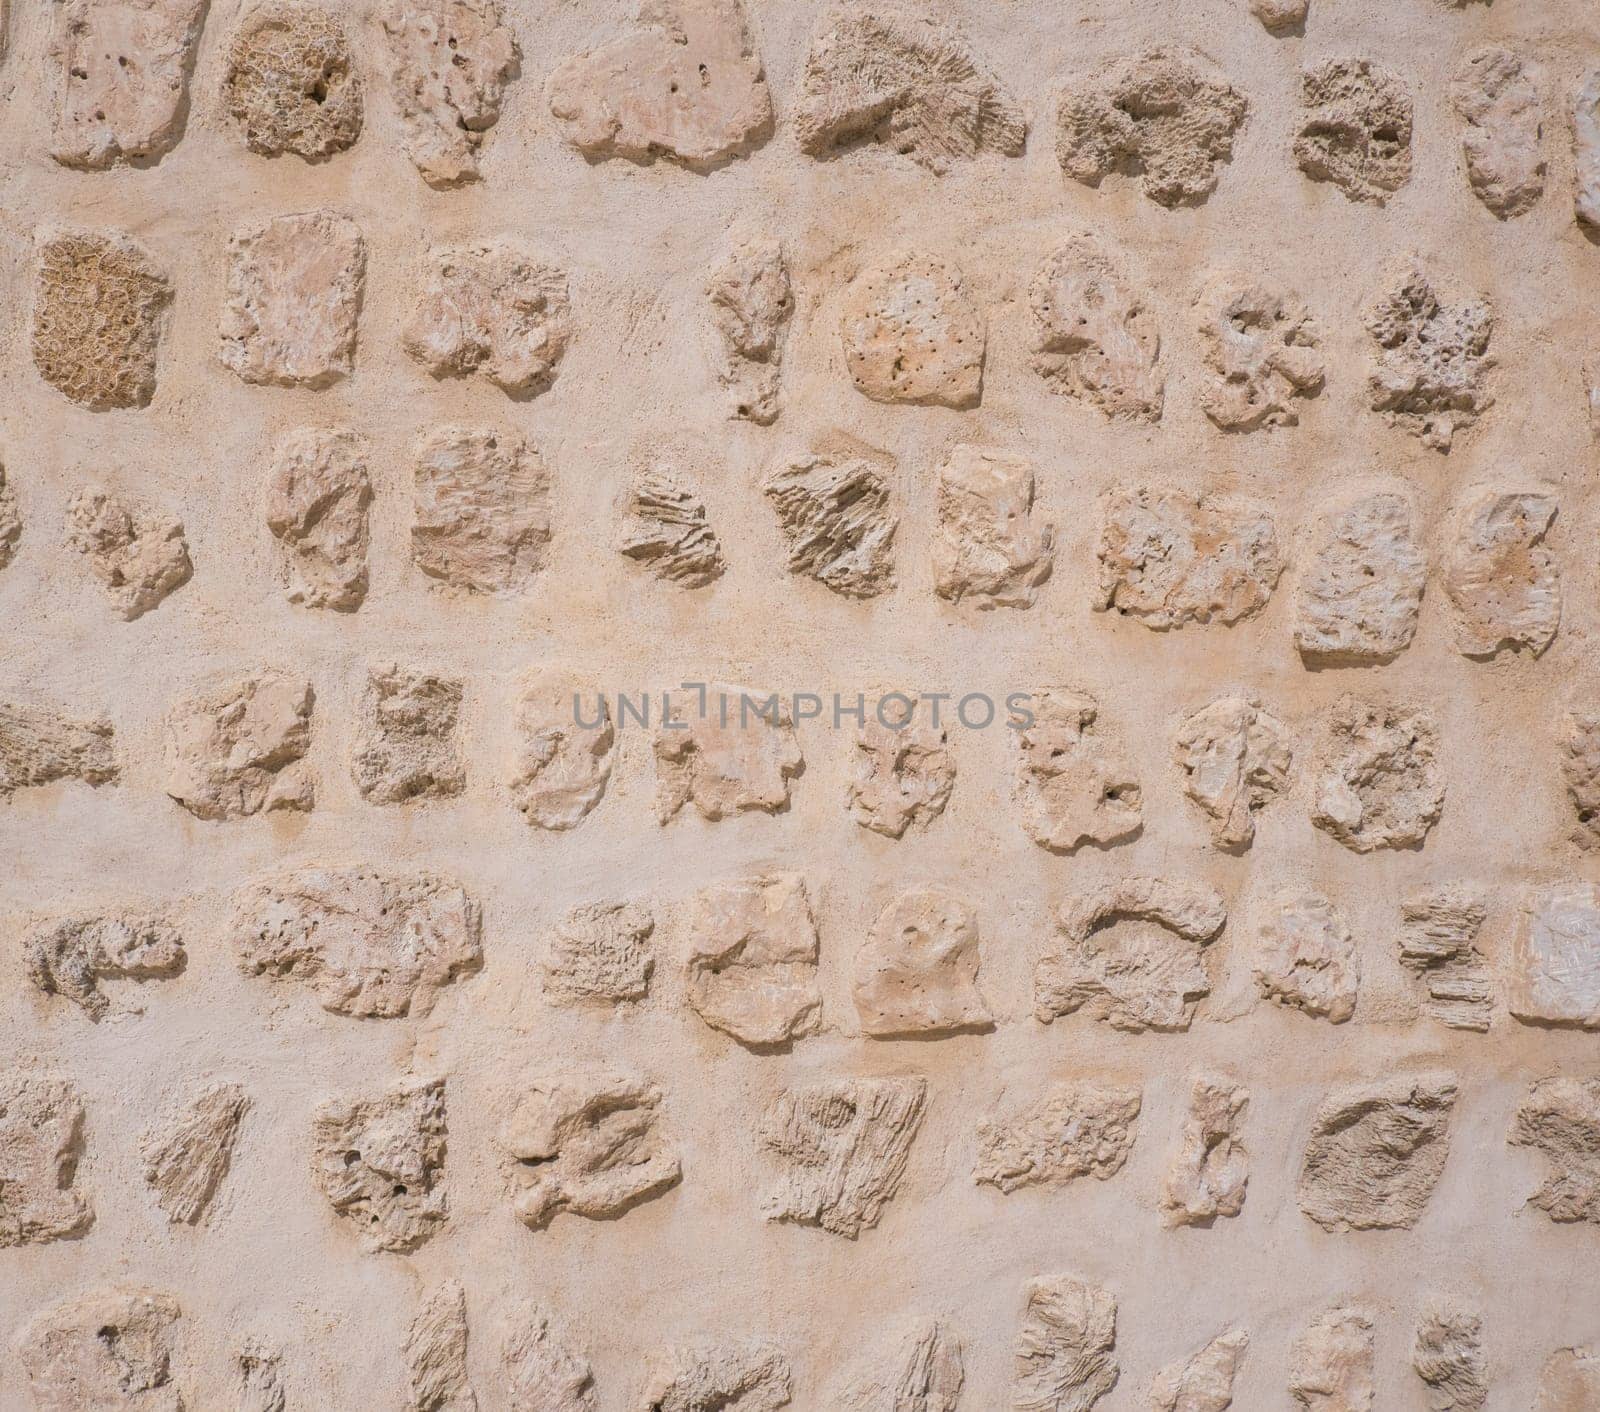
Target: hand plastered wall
[{"x": 1204, "y": 386}]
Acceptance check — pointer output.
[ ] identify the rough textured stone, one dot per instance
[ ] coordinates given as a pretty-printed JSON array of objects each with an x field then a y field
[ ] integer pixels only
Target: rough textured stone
[
  {"x": 1376, "y": 1152},
  {"x": 1167, "y": 116},
  {"x": 733, "y": 751},
  {"x": 1433, "y": 359},
  {"x": 838, "y": 519},
  {"x": 752, "y": 963},
  {"x": 1448, "y": 1357},
  {"x": 1560, "y": 1118},
  {"x": 542, "y": 1373},
  {"x": 989, "y": 550},
  {"x": 905, "y": 82},
  {"x": 10, "y": 520},
  {"x": 684, "y": 82},
  {"x": 138, "y": 558},
  {"x": 1586, "y": 149},
  {"x": 1281, "y": 16},
  {"x": 1502, "y": 579},
  {"x": 841, "y": 1149},
  {"x": 1331, "y": 1364},
  {"x": 318, "y": 494},
  {"x": 1502, "y": 127},
  {"x": 187, "y": 1155},
  {"x": 904, "y": 768},
  {"x": 449, "y": 64},
  {"x": 1131, "y": 953},
  {"x": 1263, "y": 350},
  {"x": 565, "y": 750},
  {"x": 600, "y": 951},
  {"x": 70, "y": 956},
  {"x": 1578, "y": 749},
  {"x": 291, "y": 84},
  {"x": 1361, "y": 591},
  {"x": 592, "y": 1144},
  {"x": 1063, "y": 1360},
  {"x": 1169, "y": 558},
  {"x": 40, "y": 745},
  {"x": 436, "y": 1354},
  {"x": 408, "y": 746},
  {"x": 1095, "y": 337},
  {"x": 1203, "y": 1383},
  {"x": 1073, "y": 785},
  {"x": 371, "y": 944},
  {"x": 260, "y": 1378},
  {"x": 923, "y": 1373},
  {"x": 41, "y": 1144},
  {"x": 482, "y": 509},
  {"x": 1377, "y": 777},
  {"x": 667, "y": 530},
  {"x": 917, "y": 971},
  {"x": 119, "y": 78},
  {"x": 1438, "y": 942},
  {"x": 379, "y": 1160},
  {"x": 99, "y": 309},
  {"x": 112, "y": 1350},
  {"x": 752, "y": 304},
  {"x": 1209, "y": 1176},
  {"x": 240, "y": 749},
  {"x": 294, "y": 293},
  {"x": 493, "y": 308},
  {"x": 1569, "y": 1382},
  {"x": 1553, "y": 976},
  {"x": 1305, "y": 957},
  {"x": 1235, "y": 757},
  {"x": 721, "y": 1377},
  {"x": 912, "y": 333},
  {"x": 1356, "y": 132},
  {"x": 1074, "y": 1130}
]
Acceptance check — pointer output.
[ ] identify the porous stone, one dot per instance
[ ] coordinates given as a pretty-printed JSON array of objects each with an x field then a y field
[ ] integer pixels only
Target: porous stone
[
  {"x": 10, "y": 519},
  {"x": 1235, "y": 758},
  {"x": 1169, "y": 558},
  {"x": 40, "y": 745},
  {"x": 379, "y": 1160},
  {"x": 1433, "y": 359},
  {"x": 841, "y": 1149},
  {"x": 592, "y": 1144},
  {"x": 752, "y": 304},
  {"x": 70, "y": 956},
  {"x": 493, "y": 308},
  {"x": 1448, "y": 1356},
  {"x": 685, "y": 82},
  {"x": 990, "y": 550},
  {"x": 291, "y": 83},
  {"x": 294, "y": 293},
  {"x": 240, "y": 749},
  {"x": 1073, "y": 785},
  {"x": 1167, "y": 116},
  {"x": 482, "y": 509},
  {"x": 259, "y": 1370},
  {"x": 408, "y": 744},
  {"x": 924, "y": 1372},
  {"x": 1263, "y": 351},
  {"x": 41, "y": 1144},
  {"x": 119, "y": 78},
  {"x": 1360, "y": 592},
  {"x": 565, "y": 750},
  {"x": 1281, "y": 16},
  {"x": 1500, "y": 576},
  {"x": 751, "y": 970},
  {"x": 1578, "y": 750},
  {"x": 1569, "y": 1381},
  {"x": 139, "y": 558},
  {"x": 1497, "y": 103},
  {"x": 99, "y": 310},
  {"x": 917, "y": 971},
  {"x": 1209, "y": 1176},
  {"x": 904, "y": 768},
  {"x": 1331, "y": 1363},
  {"x": 373, "y": 945},
  {"x": 912, "y": 333},
  {"x": 600, "y": 951},
  {"x": 1095, "y": 337},
  {"x": 1376, "y": 1151},
  {"x": 1204, "y": 1382},
  {"x": 1377, "y": 778},
  {"x": 1356, "y": 129},
  {"x": 666, "y": 528},
  {"x": 732, "y": 752},
  {"x": 542, "y": 1373},
  {"x": 1131, "y": 953},
  {"x": 1553, "y": 976},
  {"x": 749, "y": 1376},
  {"x": 111, "y": 1350},
  {"x": 1560, "y": 1119},
  {"x": 1063, "y": 1361},
  {"x": 436, "y": 1354},
  {"x": 1438, "y": 942},
  {"x": 449, "y": 62},
  {"x": 318, "y": 494},
  {"x": 187, "y": 1155},
  {"x": 838, "y": 520},
  {"x": 1073, "y": 1130},
  {"x": 904, "y": 82},
  {"x": 1586, "y": 149},
  {"x": 1305, "y": 957}
]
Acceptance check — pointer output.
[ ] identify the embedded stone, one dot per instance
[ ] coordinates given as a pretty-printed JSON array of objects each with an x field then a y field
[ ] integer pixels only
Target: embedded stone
[
  {"x": 904, "y": 769},
  {"x": 1211, "y": 1172},
  {"x": 1281, "y": 16},
  {"x": 1376, "y": 1151},
  {"x": 1131, "y": 953},
  {"x": 1331, "y": 1363},
  {"x": 989, "y": 550},
  {"x": 722, "y": 1377},
  {"x": 542, "y": 1373},
  {"x": 294, "y": 291},
  {"x": 1569, "y": 1382},
  {"x": 1554, "y": 972},
  {"x": 667, "y": 530},
  {"x": 923, "y": 1373},
  {"x": 1356, "y": 129},
  {"x": 1560, "y": 1119},
  {"x": 600, "y": 951},
  {"x": 1501, "y": 578},
  {"x": 1438, "y": 942},
  {"x": 841, "y": 1149},
  {"x": 1361, "y": 590},
  {"x": 1073, "y": 785},
  {"x": 1204, "y": 1382},
  {"x": 1586, "y": 149},
  {"x": 112, "y": 1350},
  {"x": 838, "y": 520},
  {"x": 318, "y": 496},
  {"x": 40, "y": 745},
  {"x": 41, "y": 1145},
  {"x": 1167, "y": 116},
  {"x": 1578, "y": 749},
  {"x": 240, "y": 749},
  {"x": 912, "y": 332},
  {"x": 491, "y": 308},
  {"x": 1235, "y": 758},
  {"x": 372, "y": 945},
  {"x": 408, "y": 745},
  {"x": 735, "y": 753},
  {"x": 1063, "y": 1360},
  {"x": 436, "y": 1354},
  {"x": 291, "y": 84},
  {"x": 187, "y": 1155},
  {"x": 1073, "y": 1130},
  {"x": 751, "y": 306},
  {"x": 563, "y": 762},
  {"x": 482, "y": 509},
  {"x": 10, "y": 520},
  {"x": 1305, "y": 957},
  {"x": 138, "y": 558},
  {"x": 1263, "y": 350},
  {"x": 1378, "y": 783},
  {"x": 70, "y": 956},
  {"x": 685, "y": 82},
  {"x": 259, "y": 1370},
  {"x": 917, "y": 971},
  {"x": 1502, "y": 129},
  {"x": 1448, "y": 1357}
]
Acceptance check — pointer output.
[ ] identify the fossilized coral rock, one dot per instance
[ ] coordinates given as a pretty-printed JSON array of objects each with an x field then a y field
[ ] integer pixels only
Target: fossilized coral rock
[
  {"x": 1072, "y": 784},
  {"x": 1361, "y": 591},
  {"x": 187, "y": 1155},
  {"x": 736, "y": 754},
  {"x": 542, "y": 1373},
  {"x": 912, "y": 333},
  {"x": 904, "y": 769},
  {"x": 1438, "y": 942},
  {"x": 1209, "y": 1176},
  {"x": 667, "y": 530},
  {"x": 839, "y": 521},
  {"x": 1378, "y": 783},
  {"x": 724, "y": 1377},
  {"x": 408, "y": 746},
  {"x": 1448, "y": 1357},
  {"x": 841, "y": 1148},
  {"x": 1235, "y": 757},
  {"x": 751, "y": 306},
  {"x": 71, "y": 956},
  {"x": 1063, "y": 1359},
  {"x": 1500, "y": 575},
  {"x": 990, "y": 550},
  {"x": 1073, "y": 1130},
  {"x": 1203, "y": 1383},
  {"x": 1502, "y": 127},
  {"x": 10, "y": 520},
  {"x": 1281, "y": 16},
  {"x": 112, "y": 1350},
  {"x": 1331, "y": 1363},
  {"x": 565, "y": 751},
  {"x": 316, "y": 509},
  {"x": 240, "y": 749},
  {"x": 1356, "y": 132},
  {"x": 923, "y": 1373},
  {"x": 1554, "y": 973},
  {"x": 1167, "y": 116},
  {"x": 600, "y": 951},
  {"x": 291, "y": 83},
  {"x": 1560, "y": 1118},
  {"x": 41, "y": 1142},
  {"x": 39, "y": 745},
  {"x": 1578, "y": 749},
  {"x": 917, "y": 971},
  {"x": 260, "y": 1378},
  {"x": 1305, "y": 957},
  {"x": 1263, "y": 350},
  {"x": 436, "y": 1354},
  {"x": 138, "y": 558},
  {"x": 482, "y": 509},
  {"x": 905, "y": 82}
]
